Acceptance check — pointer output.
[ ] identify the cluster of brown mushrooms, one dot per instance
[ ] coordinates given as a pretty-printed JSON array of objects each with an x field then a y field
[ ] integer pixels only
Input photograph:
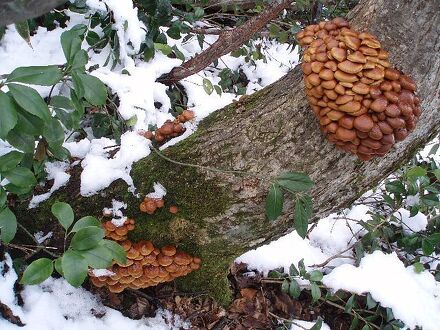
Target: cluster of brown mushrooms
[
  {"x": 150, "y": 205},
  {"x": 146, "y": 264},
  {"x": 170, "y": 128},
  {"x": 363, "y": 105}
]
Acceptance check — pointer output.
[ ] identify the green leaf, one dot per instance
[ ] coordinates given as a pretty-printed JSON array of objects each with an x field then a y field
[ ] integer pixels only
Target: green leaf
[
  {"x": 21, "y": 141},
  {"x": 3, "y": 197},
  {"x": 349, "y": 304},
  {"x": 64, "y": 213},
  {"x": 87, "y": 238},
  {"x": 95, "y": 91},
  {"x": 53, "y": 132},
  {"x": 274, "y": 202},
  {"x": 98, "y": 257},
  {"x": 295, "y": 182},
  {"x": 8, "y": 225},
  {"x": 28, "y": 123},
  {"x": 318, "y": 324},
  {"x": 29, "y": 99},
  {"x": 427, "y": 247},
  {"x": 58, "y": 265},
  {"x": 430, "y": 200},
  {"x": 371, "y": 303},
  {"x": 285, "y": 286},
  {"x": 8, "y": 114},
  {"x": 302, "y": 214},
  {"x": 80, "y": 60},
  {"x": 207, "y": 86},
  {"x": 436, "y": 173},
  {"x": 74, "y": 268},
  {"x": 87, "y": 221},
  {"x": 117, "y": 251},
  {"x": 71, "y": 44},
  {"x": 293, "y": 271},
  {"x": 354, "y": 323},
  {"x": 165, "y": 49},
  {"x": 294, "y": 289},
  {"x": 23, "y": 31},
  {"x": 418, "y": 267},
  {"x": 37, "y": 271},
  {"x": 59, "y": 152},
  {"x": 416, "y": 171},
  {"x": 315, "y": 275},
  {"x": 10, "y": 160},
  {"x": 36, "y": 75},
  {"x": 366, "y": 327},
  {"x": 21, "y": 176},
  {"x": 396, "y": 187},
  {"x": 316, "y": 292}
]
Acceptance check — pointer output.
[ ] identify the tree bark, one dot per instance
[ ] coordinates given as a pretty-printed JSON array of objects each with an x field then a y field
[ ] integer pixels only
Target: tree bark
[
  {"x": 222, "y": 215},
  {"x": 19, "y": 10}
]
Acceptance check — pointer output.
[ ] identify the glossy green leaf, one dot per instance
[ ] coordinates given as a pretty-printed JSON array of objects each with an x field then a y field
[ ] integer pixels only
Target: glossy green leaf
[
  {"x": 164, "y": 48},
  {"x": 8, "y": 114},
  {"x": 74, "y": 268},
  {"x": 87, "y": 238},
  {"x": 3, "y": 197},
  {"x": 20, "y": 176},
  {"x": 99, "y": 257},
  {"x": 29, "y": 99},
  {"x": 315, "y": 275},
  {"x": 93, "y": 90},
  {"x": 293, "y": 271},
  {"x": 118, "y": 253},
  {"x": 10, "y": 160},
  {"x": 8, "y": 225},
  {"x": 316, "y": 292},
  {"x": 80, "y": 60},
  {"x": 58, "y": 265},
  {"x": 295, "y": 181},
  {"x": 207, "y": 86},
  {"x": 274, "y": 202},
  {"x": 24, "y": 32},
  {"x": 53, "y": 132},
  {"x": 294, "y": 289},
  {"x": 64, "y": 213},
  {"x": 302, "y": 214},
  {"x": 21, "y": 141},
  {"x": 37, "y": 271},
  {"x": 28, "y": 123},
  {"x": 318, "y": 324},
  {"x": 36, "y": 75},
  {"x": 87, "y": 221},
  {"x": 416, "y": 171},
  {"x": 349, "y": 304},
  {"x": 71, "y": 44},
  {"x": 285, "y": 286}
]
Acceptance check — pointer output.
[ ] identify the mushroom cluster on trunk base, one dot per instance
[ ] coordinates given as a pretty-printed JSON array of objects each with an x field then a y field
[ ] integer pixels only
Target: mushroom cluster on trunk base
[
  {"x": 146, "y": 264},
  {"x": 363, "y": 105}
]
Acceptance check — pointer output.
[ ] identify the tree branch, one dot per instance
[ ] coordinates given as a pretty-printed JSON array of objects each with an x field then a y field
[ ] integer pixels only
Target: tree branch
[{"x": 227, "y": 42}]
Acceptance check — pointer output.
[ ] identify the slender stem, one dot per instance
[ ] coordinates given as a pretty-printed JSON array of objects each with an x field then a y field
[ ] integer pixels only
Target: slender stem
[{"x": 286, "y": 320}]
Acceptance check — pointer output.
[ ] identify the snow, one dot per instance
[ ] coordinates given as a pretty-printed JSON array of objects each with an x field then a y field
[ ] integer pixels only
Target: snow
[
  {"x": 414, "y": 298},
  {"x": 300, "y": 325},
  {"x": 99, "y": 171},
  {"x": 40, "y": 237},
  {"x": 102, "y": 272},
  {"x": 55, "y": 171},
  {"x": 411, "y": 225},
  {"x": 159, "y": 191},
  {"x": 69, "y": 308}
]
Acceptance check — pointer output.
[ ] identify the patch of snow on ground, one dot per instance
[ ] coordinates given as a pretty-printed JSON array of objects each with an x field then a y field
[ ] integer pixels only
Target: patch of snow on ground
[
  {"x": 414, "y": 298},
  {"x": 411, "y": 225},
  {"x": 307, "y": 325},
  {"x": 55, "y": 171},
  {"x": 69, "y": 308}
]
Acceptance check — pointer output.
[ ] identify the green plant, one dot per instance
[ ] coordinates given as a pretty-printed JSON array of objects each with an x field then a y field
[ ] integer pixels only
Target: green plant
[{"x": 87, "y": 248}]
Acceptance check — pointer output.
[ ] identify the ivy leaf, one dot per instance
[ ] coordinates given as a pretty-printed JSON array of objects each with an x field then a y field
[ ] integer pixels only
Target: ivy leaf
[
  {"x": 74, "y": 268},
  {"x": 294, "y": 181},
  {"x": 274, "y": 202},
  {"x": 37, "y": 271},
  {"x": 207, "y": 86},
  {"x": 303, "y": 212},
  {"x": 8, "y": 114},
  {"x": 8, "y": 225},
  {"x": 29, "y": 99},
  {"x": 318, "y": 324},
  {"x": 87, "y": 238},
  {"x": 118, "y": 253},
  {"x": 87, "y": 221},
  {"x": 10, "y": 160},
  {"x": 36, "y": 75},
  {"x": 64, "y": 213}
]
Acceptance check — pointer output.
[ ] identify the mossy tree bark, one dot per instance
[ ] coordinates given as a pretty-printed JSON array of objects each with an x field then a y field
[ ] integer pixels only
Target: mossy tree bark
[{"x": 273, "y": 131}]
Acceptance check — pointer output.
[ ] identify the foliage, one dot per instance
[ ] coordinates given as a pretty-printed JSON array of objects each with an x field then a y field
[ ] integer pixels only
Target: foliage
[{"x": 88, "y": 248}]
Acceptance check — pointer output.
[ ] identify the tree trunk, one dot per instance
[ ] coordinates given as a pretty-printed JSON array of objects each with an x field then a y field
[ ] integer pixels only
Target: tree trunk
[
  {"x": 18, "y": 10},
  {"x": 222, "y": 215}
]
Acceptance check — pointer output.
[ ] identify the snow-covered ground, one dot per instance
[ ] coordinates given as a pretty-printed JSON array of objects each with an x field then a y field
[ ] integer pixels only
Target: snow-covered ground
[{"x": 413, "y": 297}]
